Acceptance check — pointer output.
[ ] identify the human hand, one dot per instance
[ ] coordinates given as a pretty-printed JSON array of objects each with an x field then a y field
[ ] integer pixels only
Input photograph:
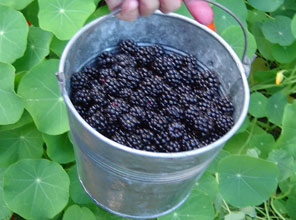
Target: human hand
[{"x": 131, "y": 9}]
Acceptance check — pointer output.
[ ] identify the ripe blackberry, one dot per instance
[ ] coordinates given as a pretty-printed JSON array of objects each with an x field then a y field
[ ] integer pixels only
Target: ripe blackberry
[
  {"x": 189, "y": 60},
  {"x": 223, "y": 124},
  {"x": 118, "y": 138},
  {"x": 144, "y": 55},
  {"x": 158, "y": 50},
  {"x": 104, "y": 60},
  {"x": 161, "y": 65},
  {"x": 173, "y": 146},
  {"x": 168, "y": 98},
  {"x": 125, "y": 60},
  {"x": 146, "y": 135},
  {"x": 112, "y": 86},
  {"x": 158, "y": 123},
  {"x": 138, "y": 113},
  {"x": 98, "y": 121},
  {"x": 128, "y": 46},
  {"x": 224, "y": 105},
  {"x": 191, "y": 114},
  {"x": 188, "y": 99},
  {"x": 128, "y": 122},
  {"x": 82, "y": 110},
  {"x": 81, "y": 97},
  {"x": 152, "y": 86},
  {"x": 173, "y": 78},
  {"x": 78, "y": 81},
  {"x": 203, "y": 125},
  {"x": 134, "y": 141},
  {"x": 125, "y": 93},
  {"x": 174, "y": 112},
  {"x": 129, "y": 78},
  {"x": 176, "y": 130},
  {"x": 190, "y": 142}
]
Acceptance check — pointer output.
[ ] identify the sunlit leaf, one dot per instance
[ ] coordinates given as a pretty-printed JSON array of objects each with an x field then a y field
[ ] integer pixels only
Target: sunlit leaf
[
  {"x": 263, "y": 142},
  {"x": 37, "y": 49},
  {"x": 24, "y": 120},
  {"x": 74, "y": 212},
  {"x": 245, "y": 181},
  {"x": 266, "y": 5},
  {"x": 13, "y": 34},
  {"x": 231, "y": 33},
  {"x": 40, "y": 92},
  {"x": 293, "y": 25},
  {"x": 11, "y": 106},
  {"x": 278, "y": 30},
  {"x": 17, "y": 4},
  {"x": 208, "y": 184},
  {"x": 36, "y": 189},
  {"x": 284, "y": 54},
  {"x": 20, "y": 143},
  {"x": 59, "y": 148},
  {"x": 5, "y": 212},
  {"x": 64, "y": 17}
]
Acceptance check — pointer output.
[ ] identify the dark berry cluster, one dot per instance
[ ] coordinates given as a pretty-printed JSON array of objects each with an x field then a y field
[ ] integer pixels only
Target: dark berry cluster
[{"x": 151, "y": 99}]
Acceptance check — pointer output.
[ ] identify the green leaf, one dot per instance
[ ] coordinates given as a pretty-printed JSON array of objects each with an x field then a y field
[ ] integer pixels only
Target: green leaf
[
  {"x": 102, "y": 214},
  {"x": 275, "y": 107},
  {"x": 244, "y": 126},
  {"x": 284, "y": 162},
  {"x": 237, "y": 143},
  {"x": 40, "y": 93},
  {"x": 284, "y": 54},
  {"x": 290, "y": 206},
  {"x": 13, "y": 34},
  {"x": 208, "y": 184},
  {"x": 11, "y": 106},
  {"x": 5, "y": 212},
  {"x": 255, "y": 16},
  {"x": 266, "y": 5},
  {"x": 31, "y": 12},
  {"x": 16, "y": 4},
  {"x": 57, "y": 46},
  {"x": 77, "y": 193},
  {"x": 104, "y": 10},
  {"x": 257, "y": 106},
  {"x": 263, "y": 142},
  {"x": 212, "y": 168},
  {"x": 246, "y": 181},
  {"x": 20, "y": 143},
  {"x": 37, "y": 49},
  {"x": 36, "y": 189},
  {"x": 264, "y": 46},
  {"x": 62, "y": 17},
  {"x": 59, "y": 148},
  {"x": 74, "y": 212},
  {"x": 231, "y": 33},
  {"x": 197, "y": 206},
  {"x": 278, "y": 30},
  {"x": 293, "y": 25},
  {"x": 24, "y": 120},
  {"x": 223, "y": 20},
  {"x": 235, "y": 216},
  {"x": 288, "y": 137}
]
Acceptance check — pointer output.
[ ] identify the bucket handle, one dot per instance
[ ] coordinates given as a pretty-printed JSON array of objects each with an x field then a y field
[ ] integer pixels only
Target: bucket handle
[{"x": 245, "y": 60}]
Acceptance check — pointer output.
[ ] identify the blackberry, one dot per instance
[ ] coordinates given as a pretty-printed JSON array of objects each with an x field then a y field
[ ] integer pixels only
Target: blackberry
[
  {"x": 129, "y": 78},
  {"x": 128, "y": 46},
  {"x": 112, "y": 86},
  {"x": 152, "y": 86},
  {"x": 158, "y": 123},
  {"x": 161, "y": 65},
  {"x": 173, "y": 146},
  {"x": 125, "y": 60},
  {"x": 118, "y": 138},
  {"x": 168, "y": 98},
  {"x": 188, "y": 99},
  {"x": 158, "y": 50},
  {"x": 176, "y": 130},
  {"x": 78, "y": 81},
  {"x": 98, "y": 121},
  {"x": 135, "y": 141},
  {"x": 81, "y": 97},
  {"x": 128, "y": 122},
  {"x": 174, "y": 112},
  {"x": 138, "y": 113},
  {"x": 144, "y": 55},
  {"x": 190, "y": 142},
  {"x": 125, "y": 93},
  {"x": 191, "y": 114},
  {"x": 82, "y": 110},
  {"x": 224, "y": 123},
  {"x": 224, "y": 105},
  {"x": 173, "y": 78},
  {"x": 105, "y": 59},
  {"x": 146, "y": 135},
  {"x": 203, "y": 125}
]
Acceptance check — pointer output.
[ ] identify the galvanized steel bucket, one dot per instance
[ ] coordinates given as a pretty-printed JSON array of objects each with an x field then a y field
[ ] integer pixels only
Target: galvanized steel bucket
[{"x": 133, "y": 183}]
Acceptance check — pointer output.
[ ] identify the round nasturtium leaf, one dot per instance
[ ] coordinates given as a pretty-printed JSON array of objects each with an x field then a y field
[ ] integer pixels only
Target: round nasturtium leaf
[
  {"x": 265, "y": 143},
  {"x": 37, "y": 49},
  {"x": 16, "y": 4},
  {"x": 278, "y": 30},
  {"x": 11, "y": 106},
  {"x": 36, "y": 189},
  {"x": 223, "y": 20},
  {"x": 40, "y": 93},
  {"x": 5, "y": 212},
  {"x": 77, "y": 193},
  {"x": 285, "y": 162},
  {"x": 64, "y": 17},
  {"x": 284, "y": 54},
  {"x": 257, "y": 106},
  {"x": 234, "y": 36},
  {"x": 287, "y": 138},
  {"x": 266, "y": 5},
  {"x": 293, "y": 26},
  {"x": 197, "y": 206},
  {"x": 246, "y": 181},
  {"x": 74, "y": 212},
  {"x": 20, "y": 143},
  {"x": 59, "y": 148},
  {"x": 57, "y": 46},
  {"x": 13, "y": 34},
  {"x": 208, "y": 184},
  {"x": 275, "y": 107}
]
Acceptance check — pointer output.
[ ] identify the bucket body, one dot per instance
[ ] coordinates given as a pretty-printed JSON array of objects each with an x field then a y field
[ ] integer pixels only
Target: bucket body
[{"x": 129, "y": 182}]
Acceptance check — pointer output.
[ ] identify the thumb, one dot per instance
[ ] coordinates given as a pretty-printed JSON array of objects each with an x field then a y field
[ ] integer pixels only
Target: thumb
[{"x": 200, "y": 10}]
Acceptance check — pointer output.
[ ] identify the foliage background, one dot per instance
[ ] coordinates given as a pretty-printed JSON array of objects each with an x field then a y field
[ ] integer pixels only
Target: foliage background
[{"x": 252, "y": 178}]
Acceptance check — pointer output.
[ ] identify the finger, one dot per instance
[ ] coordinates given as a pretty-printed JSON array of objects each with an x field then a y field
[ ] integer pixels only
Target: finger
[
  {"x": 113, "y": 3},
  {"x": 200, "y": 10},
  {"x": 147, "y": 7},
  {"x": 129, "y": 10},
  {"x": 169, "y": 5}
]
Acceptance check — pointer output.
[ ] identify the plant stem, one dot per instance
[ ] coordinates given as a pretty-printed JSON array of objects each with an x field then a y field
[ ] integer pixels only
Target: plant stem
[
  {"x": 259, "y": 210},
  {"x": 266, "y": 210},
  {"x": 249, "y": 137},
  {"x": 226, "y": 206},
  {"x": 275, "y": 210}
]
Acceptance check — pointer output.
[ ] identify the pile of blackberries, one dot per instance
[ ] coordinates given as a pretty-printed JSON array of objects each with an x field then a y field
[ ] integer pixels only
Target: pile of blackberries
[{"x": 151, "y": 99}]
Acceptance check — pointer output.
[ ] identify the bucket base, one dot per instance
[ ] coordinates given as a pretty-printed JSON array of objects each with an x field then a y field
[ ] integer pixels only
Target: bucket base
[{"x": 131, "y": 216}]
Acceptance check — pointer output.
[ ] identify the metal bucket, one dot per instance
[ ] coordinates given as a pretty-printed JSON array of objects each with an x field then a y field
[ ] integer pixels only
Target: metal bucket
[{"x": 133, "y": 183}]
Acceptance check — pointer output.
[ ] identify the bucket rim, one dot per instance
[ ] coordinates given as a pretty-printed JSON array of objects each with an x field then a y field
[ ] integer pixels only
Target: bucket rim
[{"x": 220, "y": 142}]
